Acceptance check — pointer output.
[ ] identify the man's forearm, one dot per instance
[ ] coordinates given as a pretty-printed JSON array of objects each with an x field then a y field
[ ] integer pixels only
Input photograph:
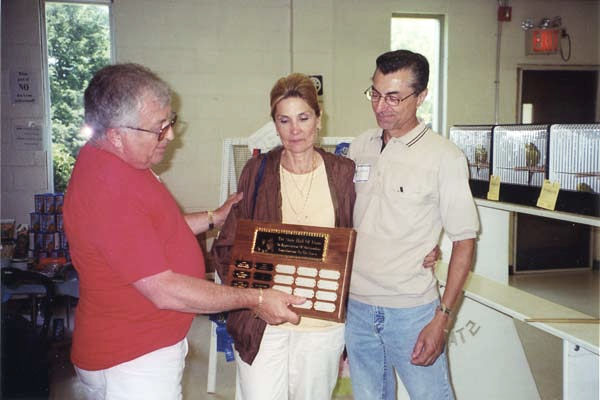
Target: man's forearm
[
  {"x": 430, "y": 342},
  {"x": 461, "y": 261},
  {"x": 198, "y": 222},
  {"x": 202, "y": 221},
  {"x": 173, "y": 291}
]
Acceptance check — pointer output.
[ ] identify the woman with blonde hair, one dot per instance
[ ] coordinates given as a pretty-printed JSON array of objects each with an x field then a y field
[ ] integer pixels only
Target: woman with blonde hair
[{"x": 300, "y": 184}]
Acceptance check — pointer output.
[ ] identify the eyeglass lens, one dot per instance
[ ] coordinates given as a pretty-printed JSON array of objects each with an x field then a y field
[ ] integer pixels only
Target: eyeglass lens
[
  {"x": 374, "y": 96},
  {"x": 164, "y": 130}
]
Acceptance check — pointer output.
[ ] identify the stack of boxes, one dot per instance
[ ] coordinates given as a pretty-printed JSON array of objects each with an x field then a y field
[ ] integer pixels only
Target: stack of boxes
[{"x": 46, "y": 236}]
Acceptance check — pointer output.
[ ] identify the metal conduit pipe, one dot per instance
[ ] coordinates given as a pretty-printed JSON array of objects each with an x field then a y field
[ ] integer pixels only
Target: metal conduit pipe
[{"x": 497, "y": 77}]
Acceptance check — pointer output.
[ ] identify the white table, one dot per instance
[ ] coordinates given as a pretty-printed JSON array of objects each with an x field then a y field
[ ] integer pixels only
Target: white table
[
  {"x": 580, "y": 340},
  {"x": 490, "y": 302}
]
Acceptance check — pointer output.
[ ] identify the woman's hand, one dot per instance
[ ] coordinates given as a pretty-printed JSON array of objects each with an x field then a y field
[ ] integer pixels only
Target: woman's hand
[{"x": 431, "y": 258}]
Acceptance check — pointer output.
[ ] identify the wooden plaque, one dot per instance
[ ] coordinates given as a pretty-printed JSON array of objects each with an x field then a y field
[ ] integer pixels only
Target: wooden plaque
[{"x": 309, "y": 261}]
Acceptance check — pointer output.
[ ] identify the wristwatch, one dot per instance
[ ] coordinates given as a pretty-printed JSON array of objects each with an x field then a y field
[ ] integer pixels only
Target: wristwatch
[{"x": 444, "y": 308}]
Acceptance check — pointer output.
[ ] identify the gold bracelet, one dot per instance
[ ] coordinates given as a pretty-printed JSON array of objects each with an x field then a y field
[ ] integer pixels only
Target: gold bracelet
[{"x": 211, "y": 223}]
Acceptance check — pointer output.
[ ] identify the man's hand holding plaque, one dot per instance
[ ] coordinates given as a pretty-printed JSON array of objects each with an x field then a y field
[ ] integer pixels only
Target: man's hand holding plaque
[{"x": 273, "y": 307}]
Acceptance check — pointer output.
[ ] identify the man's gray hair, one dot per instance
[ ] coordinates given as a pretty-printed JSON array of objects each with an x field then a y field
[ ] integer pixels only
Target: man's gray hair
[{"x": 115, "y": 96}]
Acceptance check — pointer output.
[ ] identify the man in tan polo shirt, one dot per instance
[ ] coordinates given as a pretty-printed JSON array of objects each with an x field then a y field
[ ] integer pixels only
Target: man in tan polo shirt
[{"x": 410, "y": 184}]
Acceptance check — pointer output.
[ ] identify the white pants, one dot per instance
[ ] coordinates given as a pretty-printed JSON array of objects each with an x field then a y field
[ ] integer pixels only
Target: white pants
[
  {"x": 153, "y": 376},
  {"x": 292, "y": 365}
]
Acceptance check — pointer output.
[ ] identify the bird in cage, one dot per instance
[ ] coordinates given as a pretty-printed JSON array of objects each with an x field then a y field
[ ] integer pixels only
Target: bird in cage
[
  {"x": 584, "y": 187},
  {"x": 532, "y": 158},
  {"x": 481, "y": 157}
]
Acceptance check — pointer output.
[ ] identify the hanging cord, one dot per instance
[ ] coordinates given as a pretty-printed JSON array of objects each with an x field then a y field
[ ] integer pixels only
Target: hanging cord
[{"x": 564, "y": 34}]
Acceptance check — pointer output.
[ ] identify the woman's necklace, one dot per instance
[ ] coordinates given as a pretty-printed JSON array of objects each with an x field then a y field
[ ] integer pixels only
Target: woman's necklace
[
  {"x": 303, "y": 196},
  {"x": 301, "y": 190}
]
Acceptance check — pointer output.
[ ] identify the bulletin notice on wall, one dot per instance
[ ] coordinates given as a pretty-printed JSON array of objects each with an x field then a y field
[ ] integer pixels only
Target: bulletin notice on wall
[
  {"x": 28, "y": 136},
  {"x": 23, "y": 89}
]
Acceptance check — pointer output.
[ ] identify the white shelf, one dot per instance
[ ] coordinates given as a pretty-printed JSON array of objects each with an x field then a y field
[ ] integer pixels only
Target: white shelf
[
  {"x": 563, "y": 216},
  {"x": 521, "y": 305}
]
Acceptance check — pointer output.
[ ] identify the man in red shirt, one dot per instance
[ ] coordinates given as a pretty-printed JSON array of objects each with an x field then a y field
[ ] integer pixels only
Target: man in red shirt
[{"x": 140, "y": 268}]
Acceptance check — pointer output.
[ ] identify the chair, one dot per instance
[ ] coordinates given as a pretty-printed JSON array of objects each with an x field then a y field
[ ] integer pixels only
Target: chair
[
  {"x": 25, "y": 347},
  {"x": 19, "y": 283}
]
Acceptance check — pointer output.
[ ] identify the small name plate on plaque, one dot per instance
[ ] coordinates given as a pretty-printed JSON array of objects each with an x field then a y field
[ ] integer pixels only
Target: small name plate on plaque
[{"x": 309, "y": 261}]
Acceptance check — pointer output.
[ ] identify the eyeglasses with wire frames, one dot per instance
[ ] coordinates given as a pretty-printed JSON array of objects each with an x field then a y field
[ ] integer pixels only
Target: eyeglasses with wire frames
[
  {"x": 374, "y": 96},
  {"x": 162, "y": 132}
]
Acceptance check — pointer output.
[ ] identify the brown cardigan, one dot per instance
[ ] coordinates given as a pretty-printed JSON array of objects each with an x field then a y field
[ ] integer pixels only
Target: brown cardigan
[{"x": 246, "y": 330}]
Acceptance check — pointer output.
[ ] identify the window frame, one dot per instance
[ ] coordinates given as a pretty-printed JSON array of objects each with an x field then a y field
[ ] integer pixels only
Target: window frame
[
  {"x": 46, "y": 77},
  {"x": 439, "y": 104}
]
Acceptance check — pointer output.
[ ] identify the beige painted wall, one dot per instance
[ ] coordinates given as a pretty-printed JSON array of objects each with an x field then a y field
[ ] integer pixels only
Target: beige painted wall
[{"x": 221, "y": 57}]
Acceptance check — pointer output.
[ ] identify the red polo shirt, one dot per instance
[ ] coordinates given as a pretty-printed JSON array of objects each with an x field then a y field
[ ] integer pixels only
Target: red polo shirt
[{"x": 122, "y": 225}]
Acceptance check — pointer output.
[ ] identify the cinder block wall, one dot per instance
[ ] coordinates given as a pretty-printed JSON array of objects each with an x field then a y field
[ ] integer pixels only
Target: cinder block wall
[
  {"x": 221, "y": 58},
  {"x": 24, "y": 163}
]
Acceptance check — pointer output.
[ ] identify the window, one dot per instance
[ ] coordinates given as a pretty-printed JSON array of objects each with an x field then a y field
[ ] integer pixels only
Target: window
[
  {"x": 78, "y": 43},
  {"x": 424, "y": 34}
]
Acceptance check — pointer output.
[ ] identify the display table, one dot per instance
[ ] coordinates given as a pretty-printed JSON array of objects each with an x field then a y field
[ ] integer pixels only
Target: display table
[
  {"x": 523, "y": 306},
  {"x": 484, "y": 334},
  {"x": 581, "y": 341}
]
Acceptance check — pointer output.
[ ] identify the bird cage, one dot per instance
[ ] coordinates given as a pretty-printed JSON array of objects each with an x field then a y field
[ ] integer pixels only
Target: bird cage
[
  {"x": 476, "y": 143},
  {"x": 574, "y": 162},
  {"x": 520, "y": 154},
  {"x": 575, "y": 157}
]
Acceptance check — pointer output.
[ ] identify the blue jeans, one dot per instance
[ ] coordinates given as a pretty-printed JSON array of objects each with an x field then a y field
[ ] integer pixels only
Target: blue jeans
[{"x": 379, "y": 339}]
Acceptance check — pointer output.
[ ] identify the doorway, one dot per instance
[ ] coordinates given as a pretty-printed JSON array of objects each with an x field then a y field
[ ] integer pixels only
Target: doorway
[
  {"x": 555, "y": 94},
  {"x": 547, "y": 95}
]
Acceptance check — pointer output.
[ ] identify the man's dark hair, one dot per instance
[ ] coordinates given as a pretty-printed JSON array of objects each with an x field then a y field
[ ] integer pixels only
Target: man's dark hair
[
  {"x": 394, "y": 61},
  {"x": 116, "y": 94}
]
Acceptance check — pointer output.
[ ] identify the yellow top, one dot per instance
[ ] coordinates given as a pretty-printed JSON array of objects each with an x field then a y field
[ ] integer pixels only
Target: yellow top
[{"x": 306, "y": 200}]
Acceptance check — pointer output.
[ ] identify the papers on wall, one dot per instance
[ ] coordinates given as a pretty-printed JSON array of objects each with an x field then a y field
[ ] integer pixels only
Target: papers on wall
[
  {"x": 22, "y": 87},
  {"x": 28, "y": 136}
]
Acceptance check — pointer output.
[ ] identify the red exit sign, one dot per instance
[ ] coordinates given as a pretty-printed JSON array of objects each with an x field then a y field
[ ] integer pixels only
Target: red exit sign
[{"x": 543, "y": 41}]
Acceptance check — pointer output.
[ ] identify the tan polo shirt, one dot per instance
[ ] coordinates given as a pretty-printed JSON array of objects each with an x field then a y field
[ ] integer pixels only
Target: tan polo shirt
[{"x": 405, "y": 195}]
